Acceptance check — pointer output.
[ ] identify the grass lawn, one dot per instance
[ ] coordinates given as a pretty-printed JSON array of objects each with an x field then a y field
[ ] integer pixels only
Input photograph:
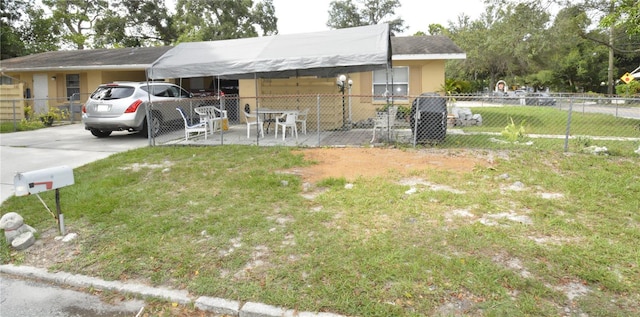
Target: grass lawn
[
  {"x": 8, "y": 127},
  {"x": 535, "y": 233},
  {"x": 548, "y": 120}
]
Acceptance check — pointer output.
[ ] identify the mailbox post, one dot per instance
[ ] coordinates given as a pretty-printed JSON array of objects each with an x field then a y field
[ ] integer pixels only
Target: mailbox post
[{"x": 37, "y": 181}]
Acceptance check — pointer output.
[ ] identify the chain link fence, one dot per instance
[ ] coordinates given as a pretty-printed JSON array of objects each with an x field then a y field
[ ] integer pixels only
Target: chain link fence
[
  {"x": 533, "y": 121},
  {"x": 23, "y": 114},
  {"x": 562, "y": 122},
  {"x": 559, "y": 122}
]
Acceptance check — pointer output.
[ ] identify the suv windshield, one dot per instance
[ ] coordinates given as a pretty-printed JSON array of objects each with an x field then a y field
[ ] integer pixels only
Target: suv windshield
[{"x": 110, "y": 93}]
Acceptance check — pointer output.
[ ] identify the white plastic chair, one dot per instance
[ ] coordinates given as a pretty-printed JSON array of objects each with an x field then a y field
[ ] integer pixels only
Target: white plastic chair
[
  {"x": 192, "y": 128},
  {"x": 254, "y": 120},
  {"x": 287, "y": 120},
  {"x": 302, "y": 119},
  {"x": 384, "y": 120},
  {"x": 212, "y": 116}
]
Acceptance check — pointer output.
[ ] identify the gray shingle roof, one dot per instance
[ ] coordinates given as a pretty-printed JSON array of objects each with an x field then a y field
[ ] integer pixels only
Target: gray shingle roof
[
  {"x": 140, "y": 57},
  {"x": 424, "y": 45},
  {"x": 98, "y": 58}
]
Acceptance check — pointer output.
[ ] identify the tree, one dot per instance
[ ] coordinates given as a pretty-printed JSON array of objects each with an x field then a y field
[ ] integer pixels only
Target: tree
[
  {"x": 522, "y": 28},
  {"x": 513, "y": 40},
  {"x": 577, "y": 64},
  {"x": 10, "y": 41},
  {"x": 436, "y": 29},
  {"x": 265, "y": 17},
  {"x": 201, "y": 20},
  {"x": 129, "y": 23},
  {"x": 345, "y": 13},
  {"x": 610, "y": 16},
  {"x": 508, "y": 40},
  {"x": 136, "y": 23},
  {"x": 618, "y": 27},
  {"x": 624, "y": 13},
  {"x": 40, "y": 33},
  {"x": 77, "y": 18},
  {"x": 26, "y": 30},
  {"x": 472, "y": 37}
]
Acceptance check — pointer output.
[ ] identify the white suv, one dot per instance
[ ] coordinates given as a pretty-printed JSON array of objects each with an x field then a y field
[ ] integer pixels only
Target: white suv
[{"x": 121, "y": 106}]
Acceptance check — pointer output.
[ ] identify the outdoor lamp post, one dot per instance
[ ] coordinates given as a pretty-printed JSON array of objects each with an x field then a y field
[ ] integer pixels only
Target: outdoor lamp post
[
  {"x": 343, "y": 84},
  {"x": 350, "y": 82}
]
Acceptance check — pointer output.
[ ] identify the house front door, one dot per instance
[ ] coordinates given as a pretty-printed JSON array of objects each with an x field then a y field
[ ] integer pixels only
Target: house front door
[{"x": 40, "y": 93}]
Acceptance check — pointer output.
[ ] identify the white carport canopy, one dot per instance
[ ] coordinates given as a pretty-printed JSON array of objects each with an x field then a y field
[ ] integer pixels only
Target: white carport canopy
[{"x": 322, "y": 54}]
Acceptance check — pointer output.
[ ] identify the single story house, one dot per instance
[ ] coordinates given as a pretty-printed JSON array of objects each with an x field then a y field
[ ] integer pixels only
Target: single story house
[{"x": 57, "y": 78}]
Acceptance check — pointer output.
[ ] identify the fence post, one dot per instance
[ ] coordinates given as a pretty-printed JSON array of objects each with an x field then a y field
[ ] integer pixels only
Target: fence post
[
  {"x": 71, "y": 108},
  {"x": 566, "y": 137},
  {"x": 148, "y": 114},
  {"x": 416, "y": 117},
  {"x": 389, "y": 123},
  {"x": 15, "y": 124},
  {"x": 318, "y": 117}
]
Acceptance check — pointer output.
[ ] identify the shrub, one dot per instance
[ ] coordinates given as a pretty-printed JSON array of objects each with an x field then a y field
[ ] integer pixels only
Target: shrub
[
  {"x": 627, "y": 90},
  {"x": 514, "y": 133}
]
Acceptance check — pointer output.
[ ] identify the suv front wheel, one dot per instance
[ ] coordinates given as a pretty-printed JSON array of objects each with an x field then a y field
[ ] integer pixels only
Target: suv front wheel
[{"x": 100, "y": 133}]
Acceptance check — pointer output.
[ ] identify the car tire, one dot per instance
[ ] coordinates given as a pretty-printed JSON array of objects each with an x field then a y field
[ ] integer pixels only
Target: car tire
[
  {"x": 100, "y": 133},
  {"x": 156, "y": 124}
]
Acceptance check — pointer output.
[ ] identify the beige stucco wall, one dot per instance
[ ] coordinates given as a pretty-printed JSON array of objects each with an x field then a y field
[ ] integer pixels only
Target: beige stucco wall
[
  {"x": 424, "y": 76},
  {"x": 111, "y": 76},
  {"x": 89, "y": 80}
]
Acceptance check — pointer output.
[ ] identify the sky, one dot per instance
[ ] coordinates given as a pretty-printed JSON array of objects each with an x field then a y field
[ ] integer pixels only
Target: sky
[{"x": 302, "y": 16}]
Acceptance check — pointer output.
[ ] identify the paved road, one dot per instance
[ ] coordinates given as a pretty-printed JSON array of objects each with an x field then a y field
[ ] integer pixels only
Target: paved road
[
  {"x": 20, "y": 298},
  {"x": 69, "y": 145},
  {"x": 621, "y": 111}
]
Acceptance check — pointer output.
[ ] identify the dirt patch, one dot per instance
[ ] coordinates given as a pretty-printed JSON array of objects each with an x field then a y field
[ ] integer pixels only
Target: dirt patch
[
  {"x": 50, "y": 248},
  {"x": 352, "y": 163}
]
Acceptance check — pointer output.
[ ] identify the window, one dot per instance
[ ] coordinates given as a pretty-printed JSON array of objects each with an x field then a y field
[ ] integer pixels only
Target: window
[
  {"x": 400, "y": 88},
  {"x": 111, "y": 93},
  {"x": 73, "y": 86}
]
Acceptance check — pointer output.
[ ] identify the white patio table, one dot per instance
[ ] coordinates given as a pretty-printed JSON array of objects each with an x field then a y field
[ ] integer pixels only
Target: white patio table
[{"x": 269, "y": 115}]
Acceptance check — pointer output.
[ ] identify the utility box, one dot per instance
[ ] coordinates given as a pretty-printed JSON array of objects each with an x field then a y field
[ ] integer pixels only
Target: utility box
[
  {"x": 37, "y": 181},
  {"x": 429, "y": 118}
]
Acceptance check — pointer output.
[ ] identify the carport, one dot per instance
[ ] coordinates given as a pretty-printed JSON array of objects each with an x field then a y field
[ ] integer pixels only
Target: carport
[{"x": 322, "y": 54}]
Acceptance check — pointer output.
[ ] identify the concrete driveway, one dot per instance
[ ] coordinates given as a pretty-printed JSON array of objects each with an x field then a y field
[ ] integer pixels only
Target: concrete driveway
[{"x": 69, "y": 145}]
